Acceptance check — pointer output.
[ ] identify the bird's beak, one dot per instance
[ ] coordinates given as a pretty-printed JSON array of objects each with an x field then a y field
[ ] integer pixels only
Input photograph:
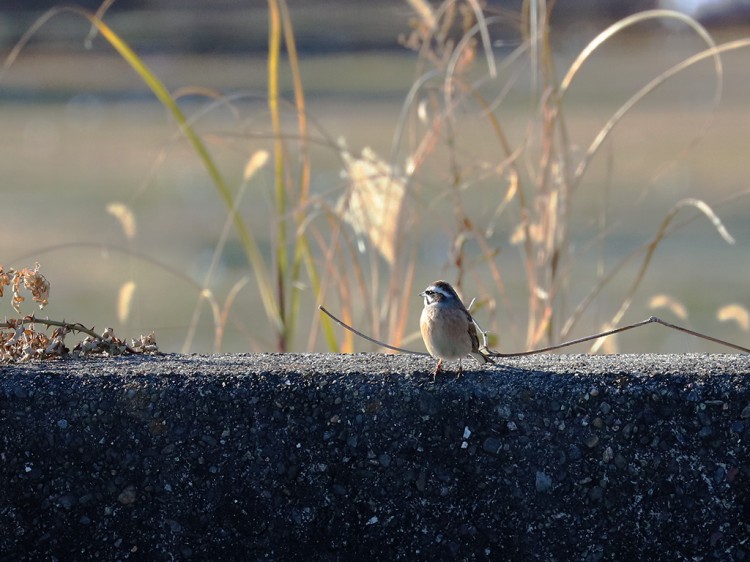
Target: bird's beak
[{"x": 422, "y": 294}]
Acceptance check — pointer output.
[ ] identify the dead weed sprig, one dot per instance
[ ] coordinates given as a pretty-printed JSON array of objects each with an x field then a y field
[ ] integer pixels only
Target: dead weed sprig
[
  {"x": 20, "y": 340},
  {"x": 31, "y": 280}
]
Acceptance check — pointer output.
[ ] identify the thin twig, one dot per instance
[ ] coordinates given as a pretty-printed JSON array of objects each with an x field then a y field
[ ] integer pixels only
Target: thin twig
[
  {"x": 698, "y": 334},
  {"x": 368, "y": 338},
  {"x": 78, "y": 327},
  {"x": 651, "y": 320}
]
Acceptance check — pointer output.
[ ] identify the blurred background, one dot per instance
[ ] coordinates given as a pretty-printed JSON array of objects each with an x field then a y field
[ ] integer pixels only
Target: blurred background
[{"x": 84, "y": 143}]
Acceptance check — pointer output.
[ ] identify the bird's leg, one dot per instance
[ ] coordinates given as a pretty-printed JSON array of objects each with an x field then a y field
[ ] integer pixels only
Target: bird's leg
[
  {"x": 438, "y": 368},
  {"x": 460, "y": 369}
]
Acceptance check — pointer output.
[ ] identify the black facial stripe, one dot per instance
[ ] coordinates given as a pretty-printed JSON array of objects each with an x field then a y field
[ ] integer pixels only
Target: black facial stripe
[
  {"x": 440, "y": 291},
  {"x": 444, "y": 289}
]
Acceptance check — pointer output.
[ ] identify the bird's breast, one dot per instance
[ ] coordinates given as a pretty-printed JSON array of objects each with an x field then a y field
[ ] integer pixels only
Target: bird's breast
[{"x": 445, "y": 332}]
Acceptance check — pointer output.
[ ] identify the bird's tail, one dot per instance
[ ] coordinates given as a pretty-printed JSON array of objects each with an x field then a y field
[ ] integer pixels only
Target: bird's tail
[{"x": 481, "y": 357}]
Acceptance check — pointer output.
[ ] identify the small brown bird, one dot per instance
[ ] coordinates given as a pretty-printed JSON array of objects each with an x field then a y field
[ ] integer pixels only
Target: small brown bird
[{"x": 448, "y": 329}]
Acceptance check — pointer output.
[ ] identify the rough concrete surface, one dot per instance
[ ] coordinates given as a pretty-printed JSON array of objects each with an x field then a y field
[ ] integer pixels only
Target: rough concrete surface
[{"x": 364, "y": 457}]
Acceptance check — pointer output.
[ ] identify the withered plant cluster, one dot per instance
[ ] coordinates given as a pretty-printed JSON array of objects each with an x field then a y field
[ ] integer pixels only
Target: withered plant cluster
[
  {"x": 360, "y": 253},
  {"x": 537, "y": 179},
  {"x": 21, "y": 339}
]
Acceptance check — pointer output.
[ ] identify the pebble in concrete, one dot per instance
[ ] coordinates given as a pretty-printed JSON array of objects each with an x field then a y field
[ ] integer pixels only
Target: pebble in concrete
[{"x": 332, "y": 457}]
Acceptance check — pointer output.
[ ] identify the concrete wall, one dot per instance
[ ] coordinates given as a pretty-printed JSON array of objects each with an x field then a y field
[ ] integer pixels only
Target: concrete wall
[{"x": 328, "y": 457}]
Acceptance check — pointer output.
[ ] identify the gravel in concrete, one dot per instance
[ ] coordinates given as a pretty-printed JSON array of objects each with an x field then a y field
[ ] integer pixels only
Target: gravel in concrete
[{"x": 363, "y": 457}]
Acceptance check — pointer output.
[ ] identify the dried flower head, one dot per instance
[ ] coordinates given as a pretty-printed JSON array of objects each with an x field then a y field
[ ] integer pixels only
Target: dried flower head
[
  {"x": 373, "y": 203},
  {"x": 20, "y": 340},
  {"x": 31, "y": 280},
  {"x": 5, "y": 279}
]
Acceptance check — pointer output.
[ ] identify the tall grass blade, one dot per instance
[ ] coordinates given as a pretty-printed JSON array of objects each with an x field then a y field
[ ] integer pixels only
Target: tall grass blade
[
  {"x": 274, "y": 51},
  {"x": 302, "y": 251},
  {"x": 248, "y": 242}
]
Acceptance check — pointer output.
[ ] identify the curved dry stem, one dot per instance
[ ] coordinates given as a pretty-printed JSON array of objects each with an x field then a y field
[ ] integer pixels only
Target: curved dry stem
[
  {"x": 610, "y": 275},
  {"x": 713, "y": 51},
  {"x": 219, "y": 99},
  {"x": 205, "y": 295},
  {"x": 651, "y": 249},
  {"x": 26, "y": 37},
  {"x": 406, "y": 108},
  {"x": 481, "y": 28},
  {"x": 338, "y": 275},
  {"x": 510, "y": 82},
  {"x": 448, "y": 73},
  {"x": 482, "y": 23},
  {"x": 106, "y": 5},
  {"x": 111, "y": 248},
  {"x": 220, "y": 325},
  {"x": 623, "y": 24}
]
